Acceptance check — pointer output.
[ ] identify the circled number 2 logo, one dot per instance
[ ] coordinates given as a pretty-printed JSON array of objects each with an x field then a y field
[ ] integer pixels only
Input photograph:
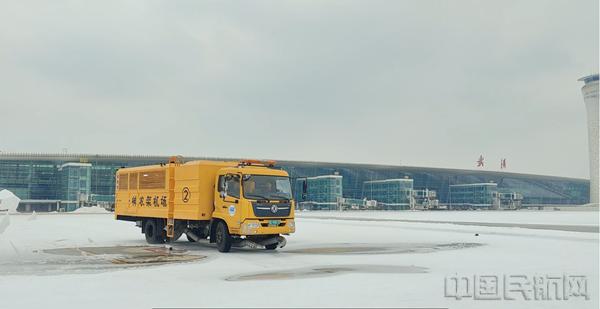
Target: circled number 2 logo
[{"x": 185, "y": 194}]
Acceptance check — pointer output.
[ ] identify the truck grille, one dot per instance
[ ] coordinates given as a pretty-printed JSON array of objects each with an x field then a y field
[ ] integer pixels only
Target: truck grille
[{"x": 266, "y": 209}]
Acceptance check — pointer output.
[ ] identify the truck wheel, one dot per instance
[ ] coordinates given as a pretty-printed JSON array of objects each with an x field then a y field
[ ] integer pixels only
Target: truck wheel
[
  {"x": 271, "y": 246},
  {"x": 223, "y": 238},
  {"x": 154, "y": 232}
]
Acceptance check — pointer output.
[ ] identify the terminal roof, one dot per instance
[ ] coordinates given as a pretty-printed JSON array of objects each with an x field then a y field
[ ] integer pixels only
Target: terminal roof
[{"x": 589, "y": 78}]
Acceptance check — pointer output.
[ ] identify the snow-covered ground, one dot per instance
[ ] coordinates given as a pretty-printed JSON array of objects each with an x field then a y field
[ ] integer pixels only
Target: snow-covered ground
[
  {"x": 91, "y": 210},
  {"x": 326, "y": 263},
  {"x": 521, "y": 216}
]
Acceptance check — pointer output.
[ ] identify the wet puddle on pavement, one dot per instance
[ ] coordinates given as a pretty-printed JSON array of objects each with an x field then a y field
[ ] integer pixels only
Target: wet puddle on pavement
[
  {"x": 130, "y": 254},
  {"x": 331, "y": 270},
  {"x": 109, "y": 258},
  {"x": 338, "y": 249},
  {"x": 95, "y": 259},
  {"x": 353, "y": 249}
]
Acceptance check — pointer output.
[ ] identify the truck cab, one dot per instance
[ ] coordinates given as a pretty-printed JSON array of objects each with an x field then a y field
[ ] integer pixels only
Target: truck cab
[{"x": 255, "y": 203}]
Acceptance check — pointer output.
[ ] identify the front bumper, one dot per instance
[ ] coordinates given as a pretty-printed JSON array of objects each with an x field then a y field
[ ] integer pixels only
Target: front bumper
[{"x": 263, "y": 227}]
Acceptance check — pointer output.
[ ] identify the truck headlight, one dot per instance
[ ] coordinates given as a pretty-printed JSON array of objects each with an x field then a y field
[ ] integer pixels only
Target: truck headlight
[
  {"x": 292, "y": 224},
  {"x": 252, "y": 226},
  {"x": 249, "y": 228}
]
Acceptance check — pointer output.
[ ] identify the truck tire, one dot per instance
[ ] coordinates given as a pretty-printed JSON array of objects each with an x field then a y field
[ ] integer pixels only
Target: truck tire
[
  {"x": 154, "y": 232},
  {"x": 271, "y": 246},
  {"x": 223, "y": 238},
  {"x": 189, "y": 238}
]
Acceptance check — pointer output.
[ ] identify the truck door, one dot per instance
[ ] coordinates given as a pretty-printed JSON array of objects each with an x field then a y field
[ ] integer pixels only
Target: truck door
[{"x": 228, "y": 199}]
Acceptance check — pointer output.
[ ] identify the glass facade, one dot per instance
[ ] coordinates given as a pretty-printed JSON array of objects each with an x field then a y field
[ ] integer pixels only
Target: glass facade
[
  {"x": 320, "y": 192},
  {"x": 536, "y": 189},
  {"x": 29, "y": 179},
  {"x": 473, "y": 195},
  {"x": 75, "y": 181},
  {"x": 38, "y": 177},
  {"x": 391, "y": 194}
]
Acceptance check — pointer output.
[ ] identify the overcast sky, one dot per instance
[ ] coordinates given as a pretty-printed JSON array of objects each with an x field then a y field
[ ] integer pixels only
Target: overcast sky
[{"x": 424, "y": 83}]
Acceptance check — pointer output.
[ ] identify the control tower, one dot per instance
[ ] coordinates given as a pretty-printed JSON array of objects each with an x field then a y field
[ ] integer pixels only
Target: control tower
[{"x": 590, "y": 97}]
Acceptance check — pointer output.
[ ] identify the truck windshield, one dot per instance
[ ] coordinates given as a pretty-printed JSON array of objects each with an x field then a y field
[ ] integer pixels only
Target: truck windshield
[{"x": 264, "y": 187}]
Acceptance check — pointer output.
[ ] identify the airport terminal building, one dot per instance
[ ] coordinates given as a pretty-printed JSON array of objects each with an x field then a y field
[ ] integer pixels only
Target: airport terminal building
[{"x": 49, "y": 182}]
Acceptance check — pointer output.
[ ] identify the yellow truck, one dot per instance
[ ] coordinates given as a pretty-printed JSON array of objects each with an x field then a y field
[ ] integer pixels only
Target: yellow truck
[{"x": 245, "y": 203}]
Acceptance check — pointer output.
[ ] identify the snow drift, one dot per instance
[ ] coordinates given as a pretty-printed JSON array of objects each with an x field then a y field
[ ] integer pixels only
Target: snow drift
[
  {"x": 91, "y": 210},
  {"x": 8, "y": 201}
]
